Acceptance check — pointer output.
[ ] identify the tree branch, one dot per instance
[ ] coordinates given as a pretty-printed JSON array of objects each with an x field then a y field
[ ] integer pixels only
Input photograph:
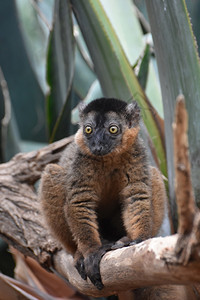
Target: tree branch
[
  {"x": 133, "y": 267},
  {"x": 183, "y": 186},
  {"x": 188, "y": 213}
]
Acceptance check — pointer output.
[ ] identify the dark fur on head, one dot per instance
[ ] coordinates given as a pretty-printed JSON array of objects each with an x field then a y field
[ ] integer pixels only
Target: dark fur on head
[{"x": 102, "y": 105}]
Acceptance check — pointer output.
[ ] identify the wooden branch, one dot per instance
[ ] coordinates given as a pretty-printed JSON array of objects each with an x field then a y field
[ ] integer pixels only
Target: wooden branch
[
  {"x": 133, "y": 267},
  {"x": 188, "y": 213},
  {"x": 21, "y": 225},
  {"x": 183, "y": 186}
]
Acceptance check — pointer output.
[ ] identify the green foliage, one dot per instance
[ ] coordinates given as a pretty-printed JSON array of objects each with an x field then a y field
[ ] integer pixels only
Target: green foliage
[
  {"x": 60, "y": 70},
  {"x": 9, "y": 136},
  {"x": 179, "y": 72},
  {"x": 25, "y": 92},
  {"x": 144, "y": 68}
]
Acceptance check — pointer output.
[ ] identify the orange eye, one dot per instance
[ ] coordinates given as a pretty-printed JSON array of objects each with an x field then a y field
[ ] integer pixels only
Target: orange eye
[
  {"x": 88, "y": 129},
  {"x": 113, "y": 129}
]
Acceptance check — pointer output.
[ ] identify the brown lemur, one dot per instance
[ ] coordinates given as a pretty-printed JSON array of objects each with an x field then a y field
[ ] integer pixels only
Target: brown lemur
[{"x": 103, "y": 188}]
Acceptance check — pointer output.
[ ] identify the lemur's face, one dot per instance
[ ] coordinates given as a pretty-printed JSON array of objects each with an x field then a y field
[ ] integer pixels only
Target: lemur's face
[
  {"x": 103, "y": 132},
  {"x": 104, "y": 122}
]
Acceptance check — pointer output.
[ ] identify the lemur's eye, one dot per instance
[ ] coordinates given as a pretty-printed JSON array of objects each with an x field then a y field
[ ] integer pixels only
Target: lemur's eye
[
  {"x": 88, "y": 129},
  {"x": 113, "y": 129}
]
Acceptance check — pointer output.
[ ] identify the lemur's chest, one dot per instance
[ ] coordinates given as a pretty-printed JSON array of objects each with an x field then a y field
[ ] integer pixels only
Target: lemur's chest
[{"x": 111, "y": 181}]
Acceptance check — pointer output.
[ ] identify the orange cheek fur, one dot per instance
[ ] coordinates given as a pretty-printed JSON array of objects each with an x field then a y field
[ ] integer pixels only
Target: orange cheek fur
[
  {"x": 128, "y": 139},
  {"x": 79, "y": 140}
]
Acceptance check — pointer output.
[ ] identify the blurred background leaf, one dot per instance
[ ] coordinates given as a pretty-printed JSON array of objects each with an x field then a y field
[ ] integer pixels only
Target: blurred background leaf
[
  {"x": 9, "y": 135},
  {"x": 60, "y": 70},
  {"x": 179, "y": 71},
  {"x": 26, "y": 93}
]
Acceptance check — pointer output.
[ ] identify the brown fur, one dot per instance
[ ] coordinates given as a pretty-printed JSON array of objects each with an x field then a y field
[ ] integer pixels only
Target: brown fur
[
  {"x": 71, "y": 201},
  {"x": 87, "y": 199},
  {"x": 52, "y": 193},
  {"x": 158, "y": 189},
  {"x": 120, "y": 175}
]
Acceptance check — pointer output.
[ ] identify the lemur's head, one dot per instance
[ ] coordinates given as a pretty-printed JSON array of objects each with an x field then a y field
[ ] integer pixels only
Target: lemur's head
[{"x": 107, "y": 125}]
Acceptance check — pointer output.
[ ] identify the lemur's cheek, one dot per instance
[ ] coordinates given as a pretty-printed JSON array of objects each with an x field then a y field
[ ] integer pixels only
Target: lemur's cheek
[{"x": 80, "y": 141}]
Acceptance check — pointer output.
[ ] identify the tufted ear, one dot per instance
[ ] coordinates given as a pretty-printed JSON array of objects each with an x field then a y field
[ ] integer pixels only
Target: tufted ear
[
  {"x": 133, "y": 114},
  {"x": 82, "y": 105}
]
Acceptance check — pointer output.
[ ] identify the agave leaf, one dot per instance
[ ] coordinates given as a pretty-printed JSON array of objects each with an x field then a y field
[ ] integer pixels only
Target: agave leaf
[
  {"x": 144, "y": 67},
  {"x": 60, "y": 68},
  {"x": 83, "y": 76},
  {"x": 123, "y": 18},
  {"x": 93, "y": 93},
  {"x": 153, "y": 90},
  {"x": 9, "y": 136},
  {"x": 81, "y": 45},
  {"x": 35, "y": 34},
  {"x": 148, "y": 81},
  {"x": 25, "y": 92},
  {"x": 133, "y": 42},
  {"x": 179, "y": 72},
  {"x": 111, "y": 65}
]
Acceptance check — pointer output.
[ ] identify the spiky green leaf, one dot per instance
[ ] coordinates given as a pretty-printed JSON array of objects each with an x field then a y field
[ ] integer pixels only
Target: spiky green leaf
[
  {"x": 60, "y": 69},
  {"x": 179, "y": 71}
]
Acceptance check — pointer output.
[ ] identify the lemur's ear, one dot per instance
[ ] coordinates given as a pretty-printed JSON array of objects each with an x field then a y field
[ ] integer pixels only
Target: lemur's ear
[
  {"x": 82, "y": 105},
  {"x": 133, "y": 114}
]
